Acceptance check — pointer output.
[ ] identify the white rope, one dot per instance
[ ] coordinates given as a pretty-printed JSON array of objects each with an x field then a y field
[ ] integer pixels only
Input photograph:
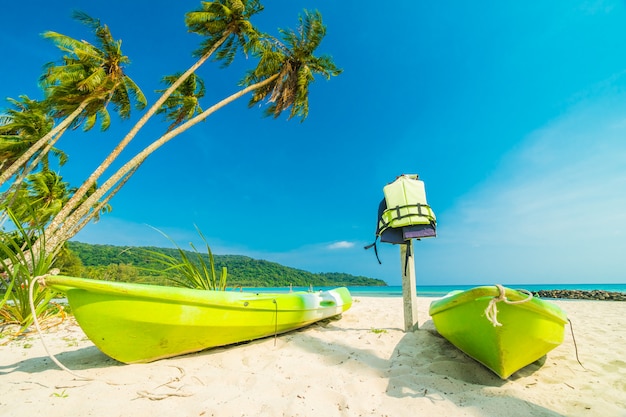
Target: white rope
[
  {"x": 42, "y": 282},
  {"x": 153, "y": 396},
  {"x": 492, "y": 311}
]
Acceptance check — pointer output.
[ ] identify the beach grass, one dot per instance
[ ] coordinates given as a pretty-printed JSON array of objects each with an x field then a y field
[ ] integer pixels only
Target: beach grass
[
  {"x": 20, "y": 265},
  {"x": 190, "y": 271}
]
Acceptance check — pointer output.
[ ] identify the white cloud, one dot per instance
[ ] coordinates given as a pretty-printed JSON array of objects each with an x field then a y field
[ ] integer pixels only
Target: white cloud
[{"x": 340, "y": 245}]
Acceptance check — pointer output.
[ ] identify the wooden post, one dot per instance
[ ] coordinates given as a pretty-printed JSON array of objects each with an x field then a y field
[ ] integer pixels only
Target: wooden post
[{"x": 409, "y": 291}]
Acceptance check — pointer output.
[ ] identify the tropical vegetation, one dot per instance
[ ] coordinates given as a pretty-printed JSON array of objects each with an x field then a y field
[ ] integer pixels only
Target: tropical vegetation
[
  {"x": 40, "y": 212},
  {"x": 19, "y": 268},
  {"x": 136, "y": 264}
]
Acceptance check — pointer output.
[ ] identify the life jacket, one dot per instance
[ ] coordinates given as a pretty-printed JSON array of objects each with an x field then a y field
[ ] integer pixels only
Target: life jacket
[{"x": 404, "y": 213}]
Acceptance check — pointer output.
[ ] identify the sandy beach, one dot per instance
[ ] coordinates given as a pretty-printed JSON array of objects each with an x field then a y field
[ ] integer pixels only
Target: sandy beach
[{"x": 362, "y": 364}]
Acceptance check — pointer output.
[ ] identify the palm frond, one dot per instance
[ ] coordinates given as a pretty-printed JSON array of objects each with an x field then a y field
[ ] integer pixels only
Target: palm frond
[
  {"x": 135, "y": 93},
  {"x": 184, "y": 103},
  {"x": 225, "y": 24},
  {"x": 90, "y": 73},
  {"x": 292, "y": 61}
]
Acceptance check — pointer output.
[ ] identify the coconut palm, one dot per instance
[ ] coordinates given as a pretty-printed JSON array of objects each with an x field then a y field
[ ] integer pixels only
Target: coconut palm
[
  {"x": 93, "y": 74},
  {"x": 79, "y": 90},
  {"x": 293, "y": 62},
  {"x": 226, "y": 26},
  {"x": 20, "y": 127},
  {"x": 184, "y": 103},
  {"x": 282, "y": 77},
  {"x": 42, "y": 197},
  {"x": 45, "y": 194}
]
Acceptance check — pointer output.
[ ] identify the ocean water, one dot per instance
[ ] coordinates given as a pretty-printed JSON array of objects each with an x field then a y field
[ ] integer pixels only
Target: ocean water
[{"x": 441, "y": 290}]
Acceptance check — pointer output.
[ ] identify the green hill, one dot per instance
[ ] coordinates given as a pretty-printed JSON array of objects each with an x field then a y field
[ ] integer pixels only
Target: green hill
[{"x": 119, "y": 263}]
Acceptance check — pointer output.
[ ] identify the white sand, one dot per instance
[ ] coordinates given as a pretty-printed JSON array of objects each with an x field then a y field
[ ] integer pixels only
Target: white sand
[{"x": 360, "y": 365}]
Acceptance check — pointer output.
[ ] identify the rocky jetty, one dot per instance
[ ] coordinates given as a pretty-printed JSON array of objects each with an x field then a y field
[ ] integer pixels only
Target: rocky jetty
[{"x": 582, "y": 295}]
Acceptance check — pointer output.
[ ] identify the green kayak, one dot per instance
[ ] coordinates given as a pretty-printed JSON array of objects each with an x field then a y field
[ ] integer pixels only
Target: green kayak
[
  {"x": 142, "y": 323},
  {"x": 501, "y": 328}
]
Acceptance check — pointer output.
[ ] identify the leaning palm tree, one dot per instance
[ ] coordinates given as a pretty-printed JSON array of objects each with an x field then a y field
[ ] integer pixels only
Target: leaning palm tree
[
  {"x": 45, "y": 194},
  {"x": 79, "y": 90},
  {"x": 21, "y": 126},
  {"x": 91, "y": 74},
  {"x": 282, "y": 77},
  {"x": 184, "y": 103},
  {"x": 46, "y": 141},
  {"x": 292, "y": 67},
  {"x": 42, "y": 197},
  {"x": 226, "y": 28}
]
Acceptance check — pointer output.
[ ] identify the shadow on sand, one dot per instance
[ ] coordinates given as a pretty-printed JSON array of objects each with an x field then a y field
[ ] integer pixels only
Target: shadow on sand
[
  {"x": 89, "y": 357},
  {"x": 425, "y": 365}
]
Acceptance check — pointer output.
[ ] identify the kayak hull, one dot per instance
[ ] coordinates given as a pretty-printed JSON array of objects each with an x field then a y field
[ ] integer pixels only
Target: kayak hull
[
  {"x": 141, "y": 323},
  {"x": 530, "y": 327}
]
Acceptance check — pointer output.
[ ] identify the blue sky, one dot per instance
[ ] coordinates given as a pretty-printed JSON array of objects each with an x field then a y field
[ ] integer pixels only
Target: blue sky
[{"x": 513, "y": 114}]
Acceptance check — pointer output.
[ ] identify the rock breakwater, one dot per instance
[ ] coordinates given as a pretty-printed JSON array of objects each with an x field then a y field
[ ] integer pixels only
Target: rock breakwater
[{"x": 582, "y": 295}]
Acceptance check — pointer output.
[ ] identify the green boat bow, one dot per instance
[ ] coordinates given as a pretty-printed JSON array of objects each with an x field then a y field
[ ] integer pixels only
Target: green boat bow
[{"x": 502, "y": 328}]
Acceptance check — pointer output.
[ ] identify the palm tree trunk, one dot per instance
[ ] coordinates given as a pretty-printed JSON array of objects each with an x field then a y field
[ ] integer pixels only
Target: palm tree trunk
[
  {"x": 58, "y": 233},
  {"x": 23, "y": 159},
  {"x": 100, "y": 205},
  {"x": 75, "y": 200}
]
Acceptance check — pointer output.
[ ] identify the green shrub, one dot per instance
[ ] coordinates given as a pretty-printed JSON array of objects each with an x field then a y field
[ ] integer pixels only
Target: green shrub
[{"x": 20, "y": 263}]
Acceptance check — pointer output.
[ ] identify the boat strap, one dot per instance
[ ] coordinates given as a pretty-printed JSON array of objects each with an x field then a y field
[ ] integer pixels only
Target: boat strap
[
  {"x": 275, "y": 321},
  {"x": 407, "y": 256},
  {"x": 373, "y": 245}
]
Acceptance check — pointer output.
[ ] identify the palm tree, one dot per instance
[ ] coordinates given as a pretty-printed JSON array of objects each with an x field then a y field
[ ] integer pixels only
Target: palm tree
[
  {"x": 91, "y": 73},
  {"x": 184, "y": 103},
  {"x": 294, "y": 63},
  {"x": 282, "y": 77},
  {"x": 80, "y": 90},
  {"x": 43, "y": 196},
  {"x": 226, "y": 26},
  {"x": 20, "y": 127}
]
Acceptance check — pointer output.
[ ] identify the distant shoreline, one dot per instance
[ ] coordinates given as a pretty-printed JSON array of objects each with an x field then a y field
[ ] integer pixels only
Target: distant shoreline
[
  {"x": 616, "y": 292},
  {"x": 603, "y": 292}
]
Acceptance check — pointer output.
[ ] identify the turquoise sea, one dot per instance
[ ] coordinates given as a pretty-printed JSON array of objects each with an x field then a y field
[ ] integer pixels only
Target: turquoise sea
[{"x": 441, "y": 290}]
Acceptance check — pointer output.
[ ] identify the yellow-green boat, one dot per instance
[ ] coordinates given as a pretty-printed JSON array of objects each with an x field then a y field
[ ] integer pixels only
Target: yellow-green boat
[
  {"x": 141, "y": 323},
  {"x": 502, "y": 328}
]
